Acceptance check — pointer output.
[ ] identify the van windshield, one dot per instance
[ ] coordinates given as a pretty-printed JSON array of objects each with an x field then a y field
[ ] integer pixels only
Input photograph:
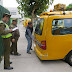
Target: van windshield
[{"x": 62, "y": 26}]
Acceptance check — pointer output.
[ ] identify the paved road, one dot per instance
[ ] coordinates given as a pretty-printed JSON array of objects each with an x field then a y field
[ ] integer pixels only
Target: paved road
[{"x": 30, "y": 63}]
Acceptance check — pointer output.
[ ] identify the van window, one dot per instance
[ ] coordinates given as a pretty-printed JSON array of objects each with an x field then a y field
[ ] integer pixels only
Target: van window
[
  {"x": 62, "y": 26},
  {"x": 39, "y": 26}
]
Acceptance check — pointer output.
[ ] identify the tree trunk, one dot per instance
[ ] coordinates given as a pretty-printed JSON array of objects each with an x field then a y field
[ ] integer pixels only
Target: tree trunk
[
  {"x": 33, "y": 15},
  {"x": 33, "y": 18}
]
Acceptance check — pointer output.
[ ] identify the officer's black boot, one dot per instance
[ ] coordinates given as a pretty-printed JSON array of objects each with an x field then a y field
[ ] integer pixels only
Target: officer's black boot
[
  {"x": 8, "y": 68},
  {"x": 10, "y": 62}
]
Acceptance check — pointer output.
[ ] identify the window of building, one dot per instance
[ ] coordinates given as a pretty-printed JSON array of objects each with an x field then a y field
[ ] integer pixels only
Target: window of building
[{"x": 13, "y": 13}]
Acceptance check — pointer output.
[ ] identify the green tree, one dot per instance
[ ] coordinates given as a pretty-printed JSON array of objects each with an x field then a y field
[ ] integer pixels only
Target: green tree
[
  {"x": 31, "y": 8},
  {"x": 69, "y": 7}
]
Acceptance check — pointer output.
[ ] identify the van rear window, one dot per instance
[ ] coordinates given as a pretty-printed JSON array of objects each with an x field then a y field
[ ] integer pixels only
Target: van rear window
[
  {"x": 39, "y": 23},
  {"x": 62, "y": 26}
]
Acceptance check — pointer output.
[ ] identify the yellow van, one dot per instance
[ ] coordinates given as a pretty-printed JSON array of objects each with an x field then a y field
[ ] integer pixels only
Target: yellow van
[
  {"x": 53, "y": 32},
  {"x": 24, "y": 22}
]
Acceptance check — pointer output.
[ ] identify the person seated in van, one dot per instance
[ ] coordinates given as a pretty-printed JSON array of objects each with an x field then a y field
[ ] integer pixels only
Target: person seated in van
[
  {"x": 56, "y": 30},
  {"x": 29, "y": 37},
  {"x": 56, "y": 23}
]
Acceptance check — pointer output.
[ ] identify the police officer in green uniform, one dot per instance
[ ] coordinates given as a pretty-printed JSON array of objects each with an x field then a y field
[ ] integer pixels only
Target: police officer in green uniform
[
  {"x": 14, "y": 39},
  {"x": 5, "y": 33}
]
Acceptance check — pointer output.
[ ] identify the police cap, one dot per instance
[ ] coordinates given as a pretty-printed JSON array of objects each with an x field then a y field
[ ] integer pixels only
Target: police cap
[
  {"x": 7, "y": 15},
  {"x": 14, "y": 20}
]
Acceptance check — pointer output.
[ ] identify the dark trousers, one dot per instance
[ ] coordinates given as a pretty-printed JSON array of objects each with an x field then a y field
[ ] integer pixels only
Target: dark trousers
[
  {"x": 6, "y": 42},
  {"x": 14, "y": 47}
]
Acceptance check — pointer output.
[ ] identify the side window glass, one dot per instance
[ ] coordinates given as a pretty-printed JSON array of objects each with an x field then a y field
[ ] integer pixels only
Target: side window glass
[{"x": 62, "y": 26}]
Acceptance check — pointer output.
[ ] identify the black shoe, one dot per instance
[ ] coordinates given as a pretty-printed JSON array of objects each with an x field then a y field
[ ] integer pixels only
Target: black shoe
[
  {"x": 17, "y": 54},
  {"x": 31, "y": 49},
  {"x": 10, "y": 62},
  {"x": 29, "y": 52},
  {"x": 12, "y": 53},
  {"x": 8, "y": 68}
]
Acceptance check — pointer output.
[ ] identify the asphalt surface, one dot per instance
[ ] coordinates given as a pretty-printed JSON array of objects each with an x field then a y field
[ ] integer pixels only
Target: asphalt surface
[{"x": 31, "y": 63}]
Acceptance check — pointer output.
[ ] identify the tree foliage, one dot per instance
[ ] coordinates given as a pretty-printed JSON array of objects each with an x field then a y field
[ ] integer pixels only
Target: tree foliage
[
  {"x": 69, "y": 7},
  {"x": 33, "y": 7}
]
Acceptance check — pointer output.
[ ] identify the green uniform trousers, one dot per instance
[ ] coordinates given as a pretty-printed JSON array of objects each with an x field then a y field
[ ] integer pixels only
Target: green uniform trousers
[
  {"x": 6, "y": 42},
  {"x": 14, "y": 47}
]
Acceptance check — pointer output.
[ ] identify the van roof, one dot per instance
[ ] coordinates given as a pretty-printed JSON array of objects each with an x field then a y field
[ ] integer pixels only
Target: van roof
[{"x": 56, "y": 13}]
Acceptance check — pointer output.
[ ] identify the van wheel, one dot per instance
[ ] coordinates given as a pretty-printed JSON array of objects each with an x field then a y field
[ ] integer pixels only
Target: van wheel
[{"x": 69, "y": 59}]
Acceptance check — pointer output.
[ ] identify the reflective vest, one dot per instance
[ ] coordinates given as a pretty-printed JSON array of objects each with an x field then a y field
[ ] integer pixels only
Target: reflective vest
[{"x": 6, "y": 28}]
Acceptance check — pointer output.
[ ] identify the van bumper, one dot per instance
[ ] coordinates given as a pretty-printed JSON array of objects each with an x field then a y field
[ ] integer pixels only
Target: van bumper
[{"x": 39, "y": 54}]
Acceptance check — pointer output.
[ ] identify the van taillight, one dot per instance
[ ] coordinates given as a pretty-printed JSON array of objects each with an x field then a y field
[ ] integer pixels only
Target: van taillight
[{"x": 43, "y": 45}]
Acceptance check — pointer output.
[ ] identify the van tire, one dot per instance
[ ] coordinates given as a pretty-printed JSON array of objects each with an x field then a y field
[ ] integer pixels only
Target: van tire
[{"x": 69, "y": 58}]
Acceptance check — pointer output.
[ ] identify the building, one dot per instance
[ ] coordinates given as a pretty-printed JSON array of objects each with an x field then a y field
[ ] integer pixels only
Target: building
[
  {"x": 14, "y": 14},
  {"x": 1, "y": 2}
]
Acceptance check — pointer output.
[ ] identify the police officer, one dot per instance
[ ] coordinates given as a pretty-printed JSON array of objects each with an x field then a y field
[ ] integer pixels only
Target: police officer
[
  {"x": 14, "y": 39},
  {"x": 5, "y": 33}
]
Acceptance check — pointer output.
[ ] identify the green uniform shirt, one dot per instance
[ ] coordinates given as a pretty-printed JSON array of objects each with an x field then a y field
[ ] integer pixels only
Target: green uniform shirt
[
  {"x": 15, "y": 34},
  {"x": 2, "y": 28}
]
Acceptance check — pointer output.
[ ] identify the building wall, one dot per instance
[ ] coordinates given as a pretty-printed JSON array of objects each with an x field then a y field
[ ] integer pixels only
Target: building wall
[
  {"x": 14, "y": 14},
  {"x": 1, "y": 2}
]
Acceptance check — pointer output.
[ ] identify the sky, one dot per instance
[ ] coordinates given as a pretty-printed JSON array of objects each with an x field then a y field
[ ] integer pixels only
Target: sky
[
  {"x": 13, "y": 3},
  {"x": 67, "y": 2},
  {"x": 10, "y": 3}
]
